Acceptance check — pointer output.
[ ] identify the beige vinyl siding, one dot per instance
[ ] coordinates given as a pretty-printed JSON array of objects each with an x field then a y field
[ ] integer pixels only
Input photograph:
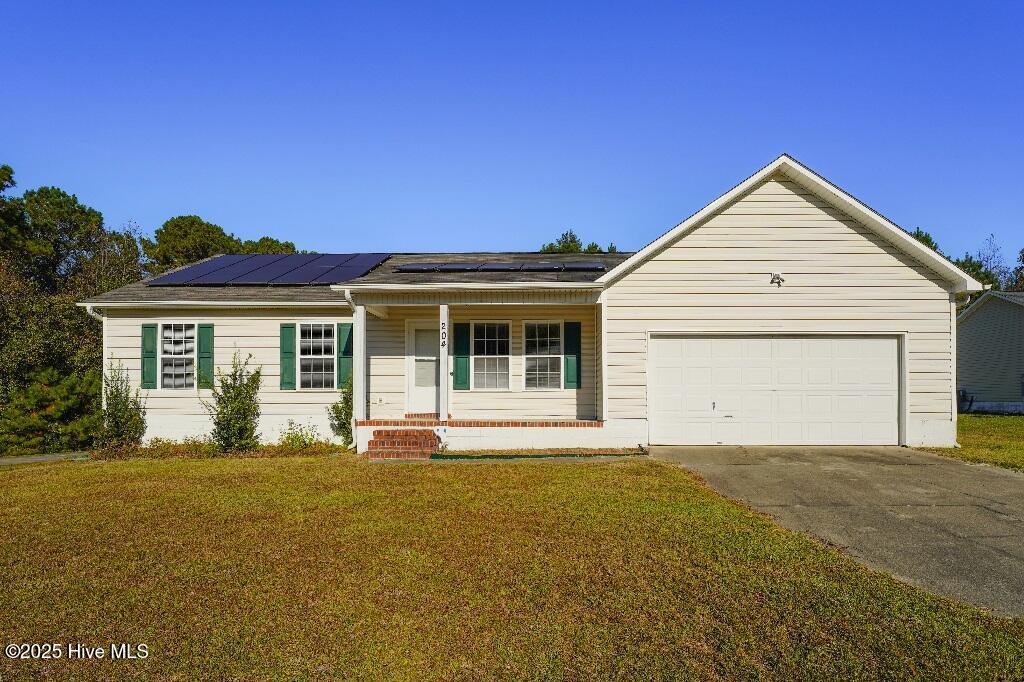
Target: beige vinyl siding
[
  {"x": 990, "y": 352},
  {"x": 179, "y": 413},
  {"x": 839, "y": 277},
  {"x": 386, "y": 338}
]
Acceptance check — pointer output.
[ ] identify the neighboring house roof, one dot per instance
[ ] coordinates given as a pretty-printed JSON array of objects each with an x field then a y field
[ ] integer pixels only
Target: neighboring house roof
[
  {"x": 803, "y": 176},
  {"x": 386, "y": 274},
  {"x": 1011, "y": 296}
]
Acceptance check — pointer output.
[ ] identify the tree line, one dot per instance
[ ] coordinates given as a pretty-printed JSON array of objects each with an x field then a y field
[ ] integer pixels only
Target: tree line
[
  {"x": 54, "y": 252},
  {"x": 987, "y": 265}
]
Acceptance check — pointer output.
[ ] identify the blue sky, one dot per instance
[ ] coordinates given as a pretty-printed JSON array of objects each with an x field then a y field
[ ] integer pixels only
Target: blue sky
[{"x": 462, "y": 126}]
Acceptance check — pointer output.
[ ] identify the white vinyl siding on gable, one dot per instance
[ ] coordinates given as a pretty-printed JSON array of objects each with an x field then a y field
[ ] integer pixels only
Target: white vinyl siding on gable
[{"x": 839, "y": 277}]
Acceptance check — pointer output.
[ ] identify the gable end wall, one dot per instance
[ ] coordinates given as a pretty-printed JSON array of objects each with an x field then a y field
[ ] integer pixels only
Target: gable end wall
[{"x": 839, "y": 277}]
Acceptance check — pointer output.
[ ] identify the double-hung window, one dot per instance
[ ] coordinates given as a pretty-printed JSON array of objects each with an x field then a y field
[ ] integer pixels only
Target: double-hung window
[
  {"x": 177, "y": 355},
  {"x": 542, "y": 348},
  {"x": 490, "y": 355},
  {"x": 316, "y": 355}
]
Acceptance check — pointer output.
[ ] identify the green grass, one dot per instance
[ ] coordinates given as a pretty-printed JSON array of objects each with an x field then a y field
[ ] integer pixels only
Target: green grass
[
  {"x": 992, "y": 439},
  {"x": 331, "y": 566}
]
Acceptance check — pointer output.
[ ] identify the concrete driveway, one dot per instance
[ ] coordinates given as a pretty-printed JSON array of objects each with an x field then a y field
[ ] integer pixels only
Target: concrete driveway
[{"x": 944, "y": 525}]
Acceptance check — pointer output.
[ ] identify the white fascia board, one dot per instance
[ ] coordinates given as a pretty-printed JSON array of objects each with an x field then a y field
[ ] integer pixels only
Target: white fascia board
[
  {"x": 217, "y": 304},
  {"x": 470, "y": 286},
  {"x": 793, "y": 169}
]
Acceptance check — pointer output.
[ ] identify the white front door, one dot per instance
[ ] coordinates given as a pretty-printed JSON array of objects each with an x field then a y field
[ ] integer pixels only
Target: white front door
[
  {"x": 422, "y": 368},
  {"x": 773, "y": 390}
]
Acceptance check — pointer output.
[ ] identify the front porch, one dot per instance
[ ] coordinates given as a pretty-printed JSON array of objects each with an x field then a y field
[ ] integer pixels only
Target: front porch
[{"x": 477, "y": 371}]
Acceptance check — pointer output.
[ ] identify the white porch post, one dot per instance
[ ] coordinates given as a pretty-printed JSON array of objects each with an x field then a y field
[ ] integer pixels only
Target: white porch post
[
  {"x": 442, "y": 362},
  {"x": 359, "y": 362}
]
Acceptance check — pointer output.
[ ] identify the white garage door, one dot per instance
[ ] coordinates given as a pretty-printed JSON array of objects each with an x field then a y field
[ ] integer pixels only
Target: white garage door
[{"x": 772, "y": 390}]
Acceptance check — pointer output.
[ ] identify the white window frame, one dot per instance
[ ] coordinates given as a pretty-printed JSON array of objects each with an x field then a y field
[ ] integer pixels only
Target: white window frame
[
  {"x": 299, "y": 356},
  {"x": 160, "y": 357},
  {"x": 473, "y": 356},
  {"x": 560, "y": 356}
]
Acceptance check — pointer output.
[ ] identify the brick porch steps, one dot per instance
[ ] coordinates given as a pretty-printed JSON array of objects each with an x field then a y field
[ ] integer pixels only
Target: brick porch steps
[{"x": 402, "y": 444}]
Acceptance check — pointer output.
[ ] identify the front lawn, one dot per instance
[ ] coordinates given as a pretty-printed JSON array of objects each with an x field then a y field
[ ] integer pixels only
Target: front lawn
[
  {"x": 988, "y": 438},
  {"x": 331, "y": 566}
]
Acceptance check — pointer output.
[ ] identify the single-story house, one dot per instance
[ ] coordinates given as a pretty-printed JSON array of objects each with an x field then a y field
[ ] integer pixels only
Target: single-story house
[
  {"x": 784, "y": 312},
  {"x": 990, "y": 353}
]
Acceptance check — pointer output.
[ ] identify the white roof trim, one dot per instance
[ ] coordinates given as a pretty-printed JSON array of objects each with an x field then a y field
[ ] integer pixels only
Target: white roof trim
[
  {"x": 340, "y": 303},
  {"x": 985, "y": 298},
  {"x": 802, "y": 175},
  {"x": 474, "y": 286}
]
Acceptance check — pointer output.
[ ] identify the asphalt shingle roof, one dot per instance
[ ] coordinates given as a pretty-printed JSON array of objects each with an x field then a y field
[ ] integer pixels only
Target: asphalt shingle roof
[{"x": 385, "y": 273}]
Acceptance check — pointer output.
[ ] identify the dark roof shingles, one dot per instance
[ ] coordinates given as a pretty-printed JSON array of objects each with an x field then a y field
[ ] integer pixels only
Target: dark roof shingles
[{"x": 385, "y": 273}]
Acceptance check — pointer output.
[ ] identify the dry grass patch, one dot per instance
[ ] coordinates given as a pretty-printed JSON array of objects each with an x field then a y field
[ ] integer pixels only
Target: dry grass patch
[{"x": 331, "y": 566}]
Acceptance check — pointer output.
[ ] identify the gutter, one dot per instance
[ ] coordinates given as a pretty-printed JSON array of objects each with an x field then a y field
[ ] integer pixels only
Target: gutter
[
  {"x": 217, "y": 304},
  {"x": 470, "y": 286},
  {"x": 91, "y": 311}
]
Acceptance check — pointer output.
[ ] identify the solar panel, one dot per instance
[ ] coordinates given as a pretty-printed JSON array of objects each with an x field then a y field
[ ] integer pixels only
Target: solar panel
[
  {"x": 268, "y": 273},
  {"x": 243, "y": 267},
  {"x": 418, "y": 267},
  {"x": 294, "y": 268},
  {"x": 541, "y": 266},
  {"x": 187, "y": 274},
  {"x": 500, "y": 267},
  {"x": 459, "y": 267},
  {"x": 309, "y": 271},
  {"x": 357, "y": 267},
  {"x": 583, "y": 266}
]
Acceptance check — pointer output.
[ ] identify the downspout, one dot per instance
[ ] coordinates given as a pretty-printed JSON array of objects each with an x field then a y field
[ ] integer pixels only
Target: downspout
[
  {"x": 354, "y": 427},
  {"x": 92, "y": 313}
]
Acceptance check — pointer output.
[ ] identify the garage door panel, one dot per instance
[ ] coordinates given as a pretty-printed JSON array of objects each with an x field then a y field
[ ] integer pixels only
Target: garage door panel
[
  {"x": 774, "y": 390},
  {"x": 756, "y": 377},
  {"x": 727, "y": 376}
]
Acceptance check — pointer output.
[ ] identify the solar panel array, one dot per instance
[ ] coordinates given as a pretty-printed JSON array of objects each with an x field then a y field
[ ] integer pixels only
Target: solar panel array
[
  {"x": 525, "y": 266},
  {"x": 277, "y": 269}
]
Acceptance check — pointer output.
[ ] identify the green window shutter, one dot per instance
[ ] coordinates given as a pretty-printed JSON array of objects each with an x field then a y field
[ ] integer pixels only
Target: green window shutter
[
  {"x": 205, "y": 353},
  {"x": 460, "y": 357},
  {"x": 149, "y": 342},
  {"x": 344, "y": 353},
  {"x": 287, "y": 357},
  {"x": 572, "y": 355}
]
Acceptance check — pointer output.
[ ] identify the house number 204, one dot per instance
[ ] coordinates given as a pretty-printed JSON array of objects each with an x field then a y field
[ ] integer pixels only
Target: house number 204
[{"x": 444, "y": 334}]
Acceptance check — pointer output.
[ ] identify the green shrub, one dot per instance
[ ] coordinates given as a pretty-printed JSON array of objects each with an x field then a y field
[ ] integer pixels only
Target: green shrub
[
  {"x": 235, "y": 409},
  {"x": 124, "y": 412},
  {"x": 300, "y": 437},
  {"x": 339, "y": 414},
  {"x": 54, "y": 412}
]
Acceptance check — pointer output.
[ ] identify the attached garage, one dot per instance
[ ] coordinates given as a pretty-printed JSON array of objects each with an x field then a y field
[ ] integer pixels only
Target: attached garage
[
  {"x": 784, "y": 312},
  {"x": 773, "y": 390}
]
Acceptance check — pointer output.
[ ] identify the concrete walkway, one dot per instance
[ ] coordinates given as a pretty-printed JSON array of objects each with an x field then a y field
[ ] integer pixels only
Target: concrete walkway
[{"x": 950, "y": 527}]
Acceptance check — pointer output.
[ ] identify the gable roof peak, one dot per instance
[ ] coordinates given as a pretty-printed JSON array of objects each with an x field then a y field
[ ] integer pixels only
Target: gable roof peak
[{"x": 825, "y": 190}]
